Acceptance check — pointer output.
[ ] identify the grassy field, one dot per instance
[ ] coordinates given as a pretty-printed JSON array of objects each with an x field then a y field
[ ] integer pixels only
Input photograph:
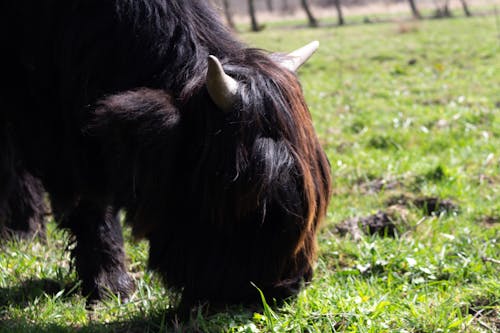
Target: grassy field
[{"x": 409, "y": 114}]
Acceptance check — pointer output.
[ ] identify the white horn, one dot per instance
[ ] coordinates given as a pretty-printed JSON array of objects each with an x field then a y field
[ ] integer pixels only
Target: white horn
[
  {"x": 221, "y": 87},
  {"x": 298, "y": 57}
]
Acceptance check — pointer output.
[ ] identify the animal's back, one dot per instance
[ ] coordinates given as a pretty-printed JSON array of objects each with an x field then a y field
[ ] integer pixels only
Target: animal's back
[{"x": 47, "y": 81}]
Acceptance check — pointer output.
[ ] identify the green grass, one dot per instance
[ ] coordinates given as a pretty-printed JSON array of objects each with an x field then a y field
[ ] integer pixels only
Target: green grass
[{"x": 414, "y": 105}]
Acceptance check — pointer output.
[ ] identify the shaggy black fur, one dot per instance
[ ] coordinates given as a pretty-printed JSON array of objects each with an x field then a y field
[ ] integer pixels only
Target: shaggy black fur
[
  {"x": 108, "y": 106},
  {"x": 22, "y": 206}
]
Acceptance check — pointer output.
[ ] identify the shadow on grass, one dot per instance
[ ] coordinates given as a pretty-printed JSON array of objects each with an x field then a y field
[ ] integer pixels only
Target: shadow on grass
[
  {"x": 28, "y": 291},
  {"x": 201, "y": 319},
  {"x": 153, "y": 324},
  {"x": 148, "y": 324},
  {"x": 160, "y": 322}
]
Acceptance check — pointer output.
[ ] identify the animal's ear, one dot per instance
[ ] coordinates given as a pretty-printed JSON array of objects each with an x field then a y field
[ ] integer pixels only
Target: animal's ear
[{"x": 134, "y": 116}]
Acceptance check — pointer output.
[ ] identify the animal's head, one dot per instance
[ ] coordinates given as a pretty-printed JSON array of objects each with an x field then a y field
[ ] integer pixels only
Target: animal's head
[
  {"x": 244, "y": 187},
  {"x": 254, "y": 179}
]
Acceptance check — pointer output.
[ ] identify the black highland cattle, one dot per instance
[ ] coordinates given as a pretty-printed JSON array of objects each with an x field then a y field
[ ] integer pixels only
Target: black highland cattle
[{"x": 154, "y": 107}]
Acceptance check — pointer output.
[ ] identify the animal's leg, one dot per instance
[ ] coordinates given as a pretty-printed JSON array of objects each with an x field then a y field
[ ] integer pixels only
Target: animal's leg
[
  {"x": 99, "y": 253},
  {"x": 22, "y": 212},
  {"x": 22, "y": 207}
]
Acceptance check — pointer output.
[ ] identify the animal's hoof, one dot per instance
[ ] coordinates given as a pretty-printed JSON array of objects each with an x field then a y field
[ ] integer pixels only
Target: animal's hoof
[{"x": 110, "y": 285}]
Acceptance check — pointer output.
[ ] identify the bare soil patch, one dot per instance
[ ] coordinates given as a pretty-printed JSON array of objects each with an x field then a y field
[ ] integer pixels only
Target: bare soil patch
[
  {"x": 485, "y": 312},
  {"x": 381, "y": 223},
  {"x": 429, "y": 205},
  {"x": 489, "y": 221},
  {"x": 380, "y": 184},
  {"x": 394, "y": 219}
]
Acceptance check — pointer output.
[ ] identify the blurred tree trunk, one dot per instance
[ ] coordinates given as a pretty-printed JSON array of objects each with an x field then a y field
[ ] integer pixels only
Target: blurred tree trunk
[
  {"x": 228, "y": 14},
  {"x": 312, "y": 20},
  {"x": 466, "y": 8},
  {"x": 340, "y": 14},
  {"x": 414, "y": 9},
  {"x": 444, "y": 10},
  {"x": 270, "y": 6},
  {"x": 286, "y": 6},
  {"x": 253, "y": 17}
]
